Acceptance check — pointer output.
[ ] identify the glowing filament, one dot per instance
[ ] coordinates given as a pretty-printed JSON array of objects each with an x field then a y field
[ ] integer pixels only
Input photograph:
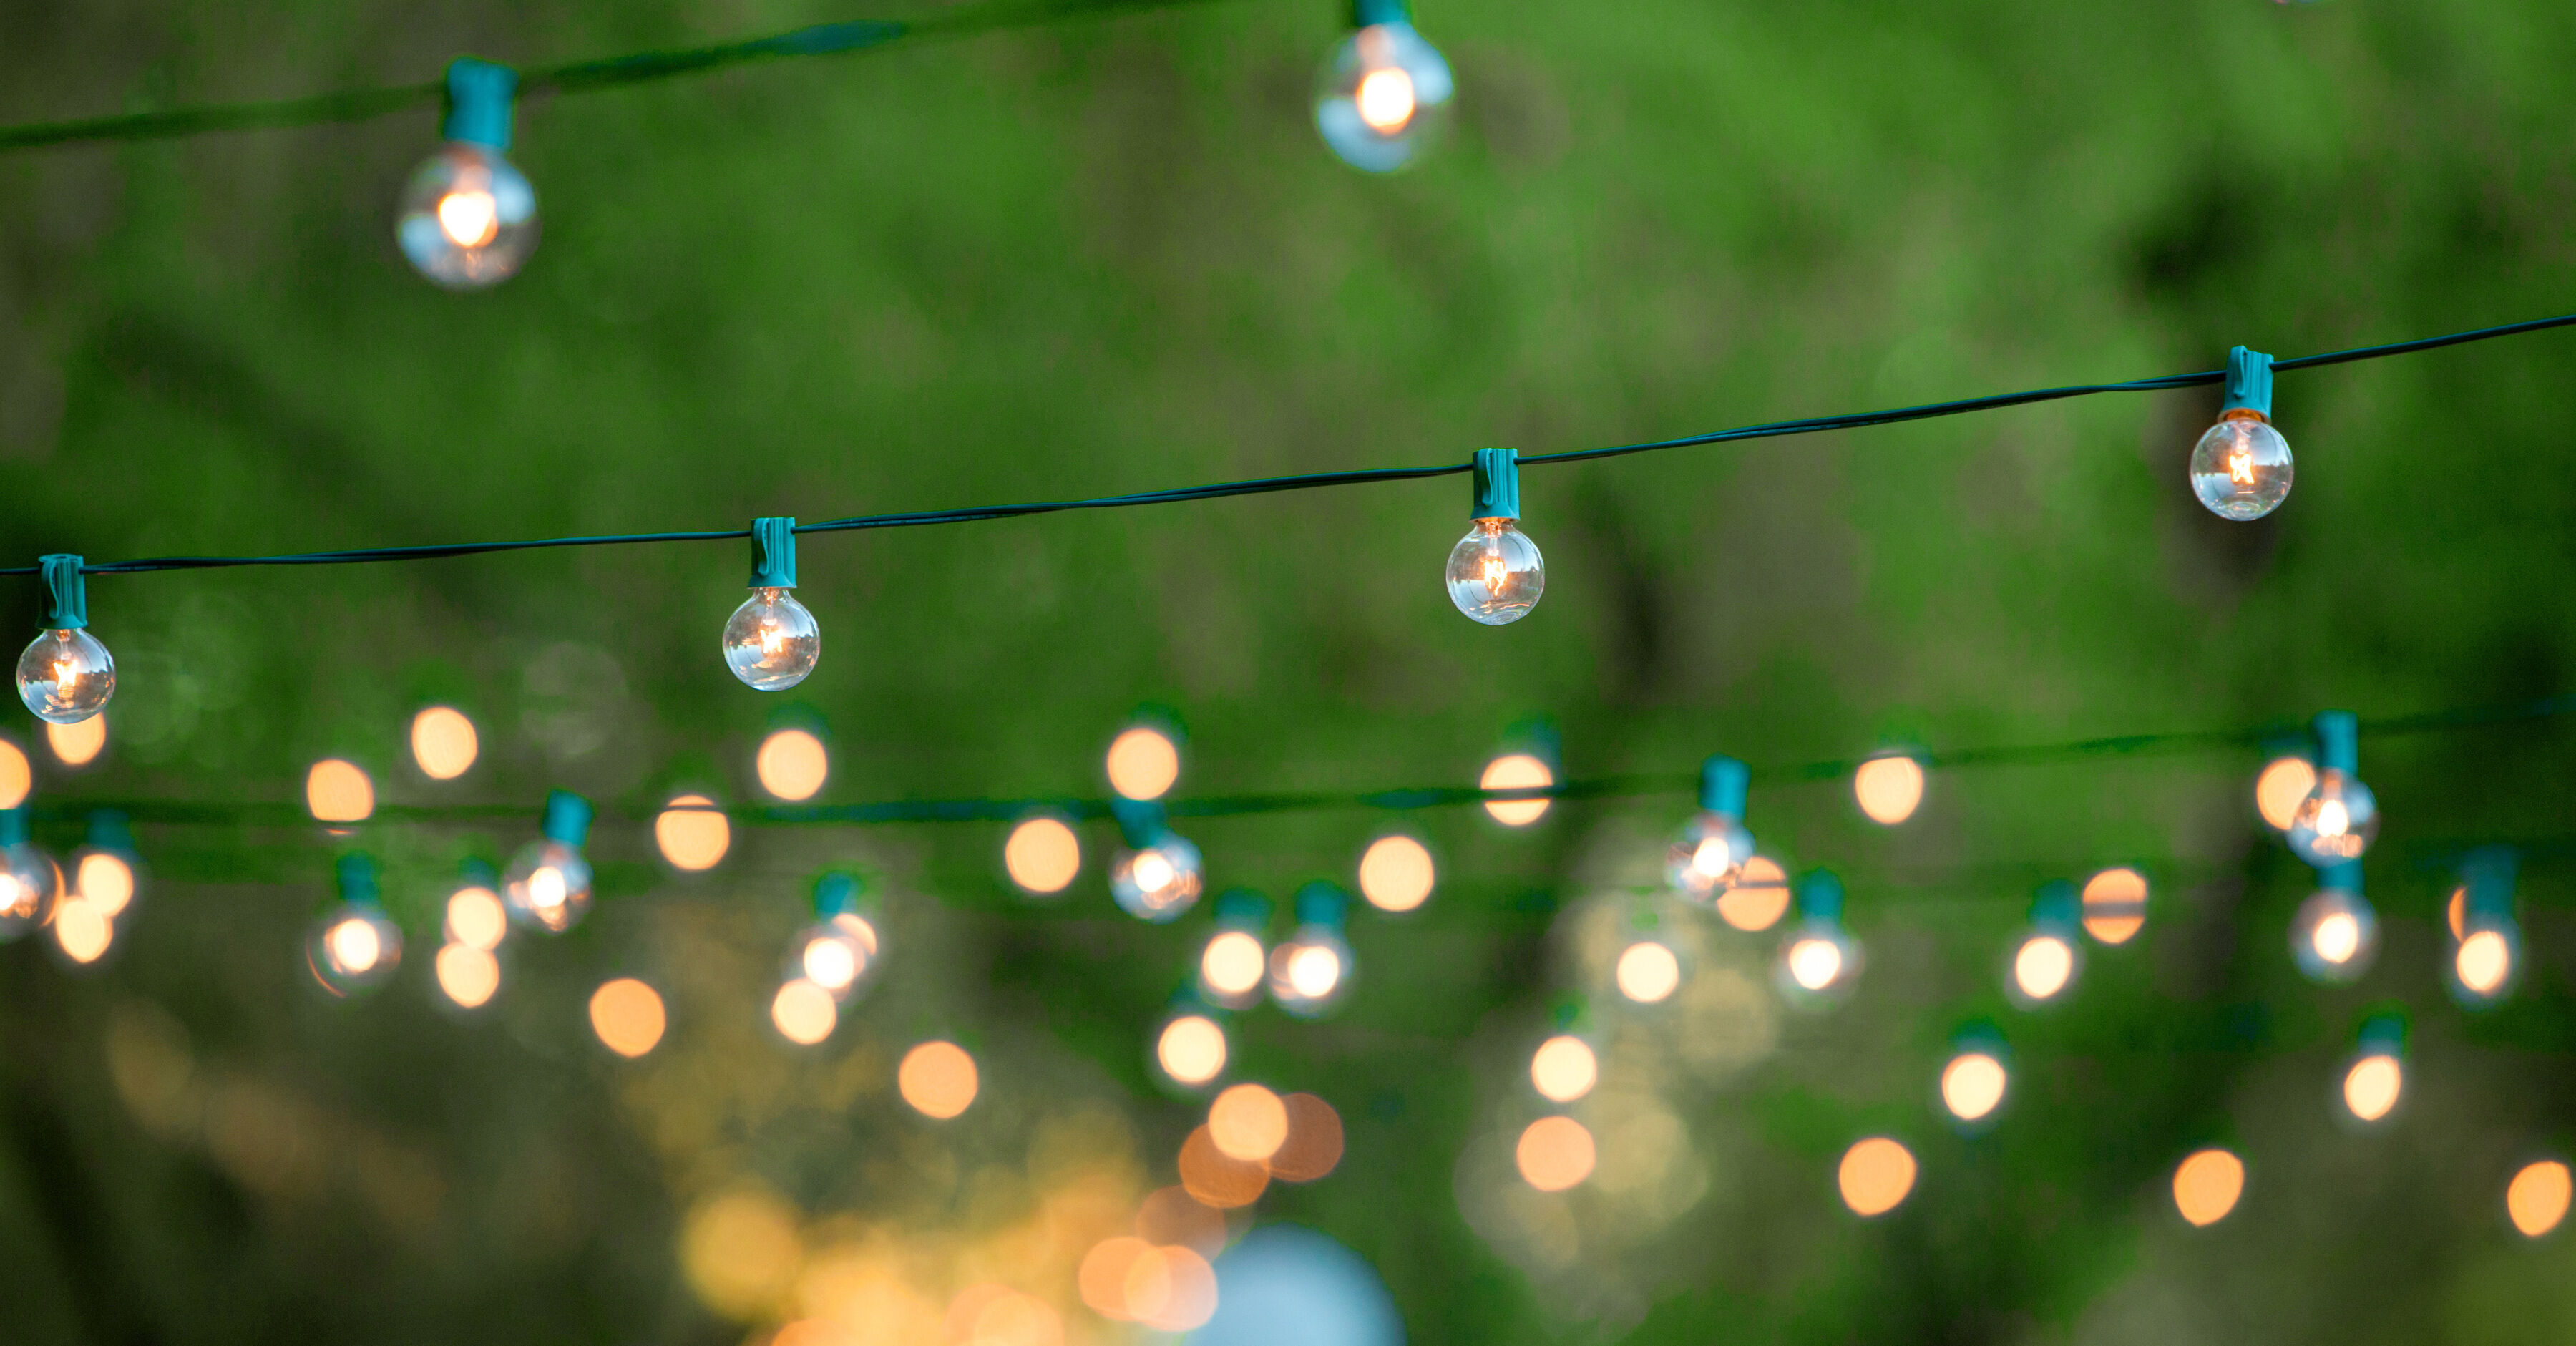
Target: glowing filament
[
  {"x": 2333, "y": 820},
  {"x": 1232, "y": 963},
  {"x": 2240, "y": 468},
  {"x": 831, "y": 964},
  {"x": 2483, "y": 962},
  {"x": 1814, "y": 963},
  {"x": 1314, "y": 971},
  {"x": 2370, "y": 1088},
  {"x": 1153, "y": 872},
  {"x": 1713, "y": 858},
  {"x": 546, "y": 888},
  {"x": 470, "y": 219},
  {"x": 354, "y": 946},
  {"x": 1386, "y": 100},
  {"x": 2337, "y": 938}
]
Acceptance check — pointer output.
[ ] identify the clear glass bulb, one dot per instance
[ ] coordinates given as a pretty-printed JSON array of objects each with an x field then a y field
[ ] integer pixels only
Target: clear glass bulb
[
  {"x": 1817, "y": 965},
  {"x": 354, "y": 948},
  {"x": 29, "y": 883},
  {"x": 66, "y": 676},
  {"x": 547, "y": 887},
  {"x": 1383, "y": 97},
  {"x": 2334, "y": 936},
  {"x": 771, "y": 641},
  {"x": 2241, "y": 468},
  {"x": 1159, "y": 882},
  {"x": 2335, "y": 822},
  {"x": 469, "y": 219},
  {"x": 1495, "y": 573},
  {"x": 1310, "y": 970},
  {"x": 839, "y": 955},
  {"x": 1707, "y": 859}
]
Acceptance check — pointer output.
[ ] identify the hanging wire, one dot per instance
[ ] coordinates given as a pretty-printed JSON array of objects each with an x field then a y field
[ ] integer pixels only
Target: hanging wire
[{"x": 1315, "y": 480}]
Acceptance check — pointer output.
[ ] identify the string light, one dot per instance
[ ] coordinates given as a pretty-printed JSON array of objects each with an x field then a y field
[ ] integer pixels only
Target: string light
[
  {"x": 1190, "y": 1049},
  {"x": 65, "y": 676},
  {"x": 82, "y": 933},
  {"x": 468, "y": 218},
  {"x": 628, "y": 1016},
  {"x": 2376, "y": 1074},
  {"x": 1974, "y": 1081},
  {"x": 692, "y": 833},
  {"x": 804, "y": 1013},
  {"x": 2335, "y": 934},
  {"x": 29, "y": 881},
  {"x": 792, "y": 765},
  {"x": 1495, "y": 574},
  {"x": 78, "y": 745},
  {"x": 2284, "y": 782},
  {"x": 1564, "y": 1068},
  {"x": 2536, "y": 1200},
  {"x": 1708, "y": 858},
  {"x": 1233, "y": 963},
  {"x": 2486, "y": 961},
  {"x": 475, "y": 917},
  {"x": 2046, "y": 959},
  {"x": 2115, "y": 905},
  {"x": 1143, "y": 763},
  {"x": 1315, "y": 1139},
  {"x": 547, "y": 886},
  {"x": 1554, "y": 1154},
  {"x": 840, "y": 952},
  {"x": 1888, "y": 788},
  {"x": 2339, "y": 817},
  {"x": 1875, "y": 1176},
  {"x": 1383, "y": 94},
  {"x": 2240, "y": 469},
  {"x": 355, "y": 947},
  {"x": 337, "y": 791},
  {"x": 1311, "y": 970},
  {"x": 443, "y": 742},
  {"x": 17, "y": 775},
  {"x": 1648, "y": 970},
  {"x": 105, "y": 871},
  {"x": 1820, "y": 961},
  {"x": 1043, "y": 855},
  {"x": 1517, "y": 771},
  {"x": 1397, "y": 874},
  {"x": 1759, "y": 899},
  {"x": 938, "y": 1079},
  {"x": 2207, "y": 1184},
  {"x": 1159, "y": 875},
  {"x": 771, "y": 642},
  {"x": 469, "y": 977},
  {"x": 1214, "y": 1179},
  {"x": 1248, "y": 1123}
]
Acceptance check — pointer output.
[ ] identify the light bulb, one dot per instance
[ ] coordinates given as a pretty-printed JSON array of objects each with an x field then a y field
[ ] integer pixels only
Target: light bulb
[
  {"x": 1383, "y": 96},
  {"x": 1564, "y": 1068},
  {"x": 106, "y": 878},
  {"x": 1973, "y": 1084},
  {"x": 1310, "y": 971},
  {"x": 2334, "y": 936},
  {"x": 2336, "y": 821},
  {"x": 1648, "y": 972},
  {"x": 771, "y": 641},
  {"x": 1231, "y": 967},
  {"x": 1815, "y": 963},
  {"x": 1495, "y": 572},
  {"x": 1818, "y": 965},
  {"x": 2241, "y": 468},
  {"x": 2043, "y": 966},
  {"x": 66, "y": 676},
  {"x": 468, "y": 218},
  {"x": 1707, "y": 860},
  {"x": 2484, "y": 964},
  {"x": 839, "y": 955},
  {"x": 804, "y": 1013},
  {"x": 548, "y": 886},
  {"x": 354, "y": 948},
  {"x": 1191, "y": 1049},
  {"x": 467, "y": 976},
  {"x": 1157, "y": 882},
  {"x": 2371, "y": 1087},
  {"x": 29, "y": 883}
]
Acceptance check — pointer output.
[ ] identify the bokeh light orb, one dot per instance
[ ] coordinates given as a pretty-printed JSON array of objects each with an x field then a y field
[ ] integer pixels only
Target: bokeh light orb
[
  {"x": 443, "y": 742},
  {"x": 1248, "y": 1123},
  {"x": 1217, "y": 1179},
  {"x": 1875, "y": 1176},
  {"x": 2115, "y": 905},
  {"x": 1648, "y": 971},
  {"x": 338, "y": 791},
  {"x": 2042, "y": 968},
  {"x": 2279, "y": 789},
  {"x": 1759, "y": 900},
  {"x": 792, "y": 765},
  {"x": 1516, "y": 771},
  {"x": 2371, "y": 1086},
  {"x": 1314, "y": 1145},
  {"x": 355, "y": 948},
  {"x": 1191, "y": 1049},
  {"x": 82, "y": 933},
  {"x": 476, "y": 918},
  {"x": 1397, "y": 873},
  {"x": 1554, "y": 1154},
  {"x": 804, "y": 1013},
  {"x": 1233, "y": 963},
  {"x": 468, "y": 976},
  {"x": 106, "y": 878},
  {"x": 1043, "y": 855},
  {"x": 1101, "y": 1277},
  {"x": 2483, "y": 962},
  {"x": 1285, "y": 1285},
  {"x": 17, "y": 775},
  {"x": 938, "y": 1079},
  {"x": 1564, "y": 1069},
  {"x": 1973, "y": 1085},
  {"x": 628, "y": 1016},
  {"x": 1888, "y": 788},
  {"x": 1143, "y": 763},
  {"x": 2334, "y": 936},
  {"x": 692, "y": 833},
  {"x": 2536, "y": 1200},
  {"x": 1814, "y": 962},
  {"x": 2207, "y": 1184},
  {"x": 78, "y": 745},
  {"x": 468, "y": 217}
]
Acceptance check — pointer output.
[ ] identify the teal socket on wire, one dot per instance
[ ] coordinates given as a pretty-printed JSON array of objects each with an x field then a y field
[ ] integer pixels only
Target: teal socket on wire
[
  {"x": 65, "y": 675},
  {"x": 1495, "y": 573},
  {"x": 481, "y": 96},
  {"x": 772, "y": 642}
]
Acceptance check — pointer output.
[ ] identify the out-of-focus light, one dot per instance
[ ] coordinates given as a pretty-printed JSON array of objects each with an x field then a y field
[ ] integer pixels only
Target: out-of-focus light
[
  {"x": 1171, "y": 1290},
  {"x": 1554, "y": 1153},
  {"x": 938, "y": 1079},
  {"x": 1564, "y": 1068},
  {"x": 338, "y": 791},
  {"x": 1888, "y": 788},
  {"x": 996, "y": 1315},
  {"x": 804, "y": 1013},
  {"x": 106, "y": 879},
  {"x": 2371, "y": 1087},
  {"x": 1875, "y": 1176},
  {"x": 1397, "y": 873},
  {"x": 2207, "y": 1184},
  {"x": 1043, "y": 855},
  {"x": 1972, "y": 1085},
  {"x": 692, "y": 832},
  {"x": 2335, "y": 934},
  {"x": 2042, "y": 967},
  {"x": 16, "y": 776},
  {"x": 2456, "y": 911},
  {"x": 1648, "y": 971},
  {"x": 1312, "y": 971},
  {"x": 1191, "y": 1049},
  {"x": 1314, "y": 1144},
  {"x": 2285, "y": 781},
  {"x": 1170, "y": 1217},
  {"x": 476, "y": 918},
  {"x": 792, "y": 765},
  {"x": 443, "y": 742},
  {"x": 1101, "y": 1278},
  {"x": 2483, "y": 962},
  {"x": 1760, "y": 900},
  {"x": 2536, "y": 1200},
  {"x": 81, "y": 930},
  {"x": 1161, "y": 878},
  {"x": 1233, "y": 962},
  {"x": 831, "y": 960},
  {"x": 468, "y": 975},
  {"x": 1248, "y": 1122},
  {"x": 1815, "y": 962},
  {"x": 628, "y": 1016},
  {"x": 816, "y": 1332},
  {"x": 1217, "y": 1179},
  {"x": 78, "y": 744},
  {"x": 1143, "y": 763},
  {"x": 1516, "y": 771},
  {"x": 2115, "y": 905}
]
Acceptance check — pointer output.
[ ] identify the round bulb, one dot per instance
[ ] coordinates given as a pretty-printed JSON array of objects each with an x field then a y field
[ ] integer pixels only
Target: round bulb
[
  {"x": 355, "y": 948},
  {"x": 1397, "y": 873},
  {"x": 1382, "y": 97},
  {"x": 547, "y": 887},
  {"x": 1232, "y": 964},
  {"x": 1814, "y": 963},
  {"x": 2042, "y": 967},
  {"x": 443, "y": 742},
  {"x": 1191, "y": 1049},
  {"x": 467, "y": 976},
  {"x": 804, "y": 1013},
  {"x": 771, "y": 641},
  {"x": 468, "y": 218},
  {"x": 2335, "y": 822},
  {"x": 1495, "y": 573},
  {"x": 1564, "y": 1068},
  {"x": 82, "y": 931},
  {"x": 1310, "y": 970},
  {"x": 1042, "y": 856},
  {"x": 66, "y": 676},
  {"x": 1143, "y": 763},
  {"x": 2334, "y": 936},
  {"x": 2371, "y": 1087},
  {"x": 1972, "y": 1085},
  {"x": 1758, "y": 899},
  {"x": 1888, "y": 788},
  {"x": 2277, "y": 792},
  {"x": 1516, "y": 771},
  {"x": 2241, "y": 468},
  {"x": 2483, "y": 962},
  {"x": 476, "y": 918},
  {"x": 1708, "y": 858},
  {"x": 1159, "y": 882},
  {"x": 830, "y": 964},
  {"x": 29, "y": 883},
  {"x": 1648, "y": 972}
]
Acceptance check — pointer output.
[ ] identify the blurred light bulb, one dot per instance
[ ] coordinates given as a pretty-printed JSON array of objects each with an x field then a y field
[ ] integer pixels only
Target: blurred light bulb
[
  {"x": 1814, "y": 962},
  {"x": 1191, "y": 1049},
  {"x": 1396, "y": 873},
  {"x": 82, "y": 931},
  {"x": 1564, "y": 1068},
  {"x": 1143, "y": 763},
  {"x": 355, "y": 948},
  {"x": 2207, "y": 1184},
  {"x": 468, "y": 217},
  {"x": 792, "y": 765},
  {"x": 692, "y": 833},
  {"x": 1972, "y": 1085},
  {"x": 17, "y": 775},
  {"x": 2334, "y": 936},
  {"x": 1382, "y": 97},
  {"x": 2042, "y": 967},
  {"x": 476, "y": 918},
  {"x": 804, "y": 1013},
  {"x": 2483, "y": 962},
  {"x": 1648, "y": 971},
  {"x": 2285, "y": 782},
  {"x": 29, "y": 885},
  {"x": 548, "y": 887},
  {"x": 443, "y": 742},
  {"x": 1708, "y": 858},
  {"x": 2241, "y": 468},
  {"x": 1875, "y": 1176},
  {"x": 2537, "y": 1198},
  {"x": 468, "y": 976},
  {"x": 1043, "y": 855},
  {"x": 1495, "y": 573},
  {"x": 1888, "y": 788},
  {"x": 1554, "y": 1154},
  {"x": 2115, "y": 905},
  {"x": 938, "y": 1079},
  {"x": 1158, "y": 882},
  {"x": 66, "y": 676},
  {"x": 2336, "y": 821},
  {"x": 78, "y": 745},
  {"x": 1232, "y": 964},
  {"x": 628, "y": 1016},
  {"x": 1758, "y": 899},
  {"x": 837, "y": 955},
  {"x": 771, "y": 641},
  {"x": 2371, "y": 1086},
  {"x": 338, "y": 791},
  {"x": 106, "y": 879},
  {"x": 1248, "y": 1123},
  {"x": 1309, "y": 970},
  {"x": 1517, "y": 771}
]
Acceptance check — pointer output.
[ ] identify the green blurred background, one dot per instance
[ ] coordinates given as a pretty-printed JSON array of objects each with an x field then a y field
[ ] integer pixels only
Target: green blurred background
[{"x": 1110, "y": 254}]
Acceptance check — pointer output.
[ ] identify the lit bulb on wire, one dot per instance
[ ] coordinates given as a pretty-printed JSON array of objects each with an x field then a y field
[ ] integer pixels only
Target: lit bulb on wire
[
  {"x": 2240, "y": 469},
  {"x": 1159, "y": 874},
  {"x": 2335, "y": 934},
  {"x": 1383, "y": 95},
  {"x": 1310, "y": 971},
  {"x": 1976, "y": 1078},
  {"x": 839, "y": 952},
  {"x": 1819, "y": 962},
  {"x": 1190, "y": 1048},
  {"x": 468, "y": 218},
  {"x": 2374, "y": 1077},
  {"x": 105, "y": 871},
  {"x": 771, "y": 642},
  {"x": 355, "y": 947},
  {"x": 2047, "y": 957},
  {"x": 2339, "y": 817},
  {"x": 29, "y": 880},
  {"x": 2486, "y": 958},
  {"x": 1233, "y": 962},
  {"x": 547, "y": 886},
  {"x": 1495, "y": 574},
  {"x": 66, "y": 675},
  {"x": 1707, "y": 860}
]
